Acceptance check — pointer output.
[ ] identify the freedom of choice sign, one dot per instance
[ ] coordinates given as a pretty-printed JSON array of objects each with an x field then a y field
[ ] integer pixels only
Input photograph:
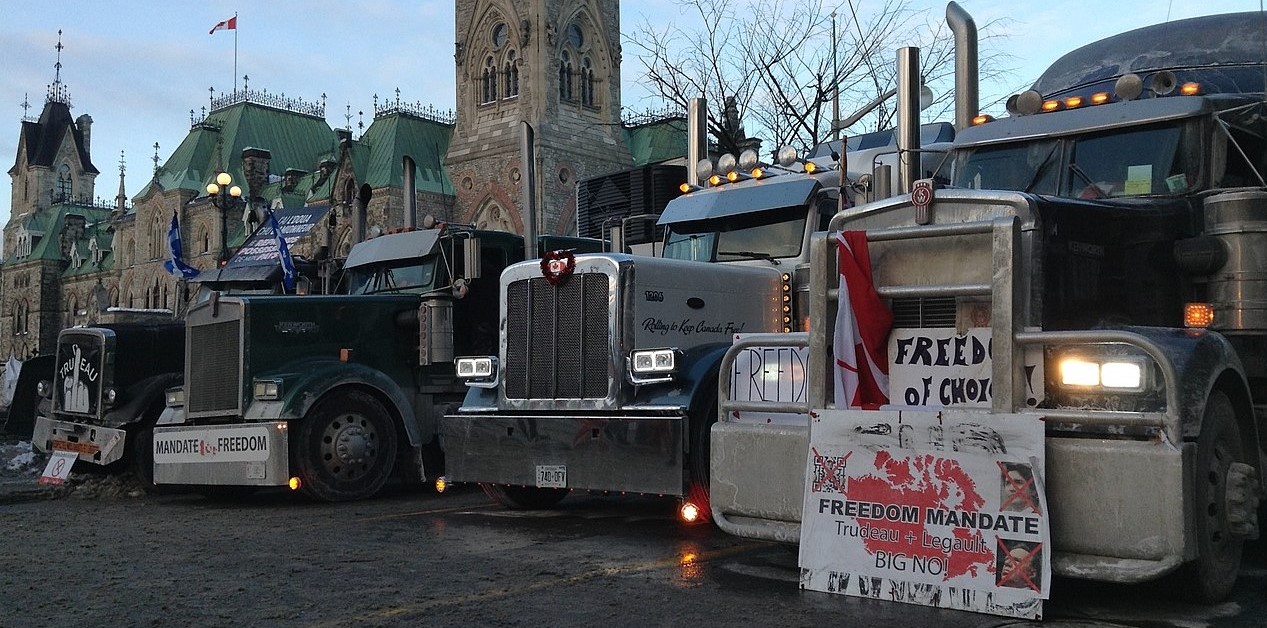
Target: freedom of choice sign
[{"x": 943, "y": 508}]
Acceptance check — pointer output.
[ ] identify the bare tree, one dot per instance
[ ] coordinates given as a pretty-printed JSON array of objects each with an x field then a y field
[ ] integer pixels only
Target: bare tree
[{"x": 778, "y": 66}]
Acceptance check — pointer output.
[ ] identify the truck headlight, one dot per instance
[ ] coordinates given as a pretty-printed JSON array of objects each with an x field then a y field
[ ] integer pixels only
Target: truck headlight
[
  {"x": 477, "y": 370},
  {"x": 267, "y": 389},
  {"x": 652, "y": 365},
  {"x": 175, "y": 397},
  {"x": 1110, "y": 374}
]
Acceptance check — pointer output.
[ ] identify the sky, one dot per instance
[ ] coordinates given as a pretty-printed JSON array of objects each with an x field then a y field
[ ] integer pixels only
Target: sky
[{"x": 138, "y": 68}]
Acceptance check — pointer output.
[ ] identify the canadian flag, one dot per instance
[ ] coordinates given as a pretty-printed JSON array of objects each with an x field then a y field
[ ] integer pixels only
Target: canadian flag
[
  {"x": 863, "y": 322},
  {"x": 229, "y": 24}
]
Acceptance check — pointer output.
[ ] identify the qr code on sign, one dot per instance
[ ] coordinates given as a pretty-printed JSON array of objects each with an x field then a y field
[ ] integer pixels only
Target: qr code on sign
[{"x": 829, "y": 473}]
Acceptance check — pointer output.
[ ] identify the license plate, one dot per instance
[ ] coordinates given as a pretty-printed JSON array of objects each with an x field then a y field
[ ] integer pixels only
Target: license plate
[
  {"x": 552, "y": 476},
  {"x": 79, "y": 448}
]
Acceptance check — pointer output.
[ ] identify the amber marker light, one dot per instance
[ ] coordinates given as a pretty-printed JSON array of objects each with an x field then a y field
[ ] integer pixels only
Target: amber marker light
[
  {"x": 810, "y": 167},
  {"x": 295, "y": 483},
  {"x": 1198, "y": 315},
  {"x": 689, "y": 512},
  {"x": 1051, "y": 105},
  {"x": 1190, "y": 89},
  {"x": 1073, "y": 102},
  {"x": 982, "y": 119},
  {"x": 714, "y": 180},
  {"x": 1099, "y": 98},
  {"x": 757, "y": 173},
  {"x": 442, "y": 483}
]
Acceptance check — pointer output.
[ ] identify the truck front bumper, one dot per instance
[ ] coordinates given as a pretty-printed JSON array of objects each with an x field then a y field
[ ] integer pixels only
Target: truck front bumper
[
  {"x": 95, "y": 444},
  {"x": 1119, "y": 509},
  {"x": 254, "y": 454},
  {"x": 596, "y": 452}
]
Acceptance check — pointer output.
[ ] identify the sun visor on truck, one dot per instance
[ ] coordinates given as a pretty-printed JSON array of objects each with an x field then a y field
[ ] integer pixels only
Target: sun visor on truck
[
  {"x": 257, "y": 258},
  {"x": 760, "y": 195},
  {"x": 386, "y": 248}
]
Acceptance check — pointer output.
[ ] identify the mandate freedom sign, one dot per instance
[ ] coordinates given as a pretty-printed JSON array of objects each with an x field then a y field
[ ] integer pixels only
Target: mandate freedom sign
[{"x": 941, "y": 508}]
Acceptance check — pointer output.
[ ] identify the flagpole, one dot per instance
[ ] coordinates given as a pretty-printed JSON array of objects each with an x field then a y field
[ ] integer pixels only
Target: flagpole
[{"x": 235, "y": 52}]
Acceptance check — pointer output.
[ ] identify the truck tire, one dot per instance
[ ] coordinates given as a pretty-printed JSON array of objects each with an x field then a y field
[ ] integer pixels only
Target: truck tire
[
  {"x": 698, "y": 461},
  {"x": 139, "y": 451},
  {"x": 524, "y": 497},
  {"x": 345, "y": 448},
  {"x": 1212, "y": 575}
]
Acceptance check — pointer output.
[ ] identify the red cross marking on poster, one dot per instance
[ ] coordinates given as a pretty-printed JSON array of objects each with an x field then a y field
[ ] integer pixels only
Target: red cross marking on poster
[
  {"x": 1015, "y": 567},
  {"x": 1020, "y": 490},
  {"x": 829, "y": 468}
]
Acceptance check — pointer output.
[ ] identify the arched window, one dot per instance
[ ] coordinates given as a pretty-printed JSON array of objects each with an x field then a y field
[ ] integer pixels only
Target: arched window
[
  {"x": 158, "y": 237},
  {"x": 490, "y": 81},
  {"x": 587, "y": 82},
  {"x": 565, "y": 76},
  {"x": 512, "y": 75},
  {"x": 65, "y": 187}
]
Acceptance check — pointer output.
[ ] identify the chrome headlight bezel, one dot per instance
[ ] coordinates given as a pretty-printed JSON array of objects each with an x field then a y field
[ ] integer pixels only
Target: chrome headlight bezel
[
  {"x": 266, "y": 389},
  {"x": 651, "y": 366},
  {"x": 1102, "y": 369},
  {"x": 174, "y": 397},
  {"x": 479, "y": 371}
]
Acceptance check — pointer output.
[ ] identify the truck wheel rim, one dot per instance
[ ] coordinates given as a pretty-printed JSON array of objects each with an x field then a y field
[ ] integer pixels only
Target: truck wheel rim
[{"x": 349, "y": 446}]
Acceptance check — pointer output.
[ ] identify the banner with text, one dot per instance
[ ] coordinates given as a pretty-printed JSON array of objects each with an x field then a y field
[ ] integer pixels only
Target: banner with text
[
  {"x": 774, "y": 374},
  {"x": 939, "y": 367},
  {"x": 941, "y": 508}
]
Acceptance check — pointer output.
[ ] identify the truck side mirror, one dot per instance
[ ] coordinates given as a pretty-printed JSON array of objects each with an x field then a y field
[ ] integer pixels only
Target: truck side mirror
[{"x": 471, "y": 258}]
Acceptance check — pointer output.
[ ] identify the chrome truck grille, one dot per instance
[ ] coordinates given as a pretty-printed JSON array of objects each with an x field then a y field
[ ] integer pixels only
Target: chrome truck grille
[
  {"x": 558, "y": 338},
  {"x": 215, "y": 367}
]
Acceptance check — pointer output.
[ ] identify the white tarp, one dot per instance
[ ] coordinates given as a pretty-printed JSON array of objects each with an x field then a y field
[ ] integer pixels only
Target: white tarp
[
  {"x": 11, "y": 370},
  {"x": 942, "y": 508}
]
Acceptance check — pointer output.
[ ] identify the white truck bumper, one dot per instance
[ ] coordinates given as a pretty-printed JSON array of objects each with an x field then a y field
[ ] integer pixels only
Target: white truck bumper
[
  {"x": 95, "y": 444},
  {"x": 1118, "y": 508},
  {"x": 225, "y": 455}
]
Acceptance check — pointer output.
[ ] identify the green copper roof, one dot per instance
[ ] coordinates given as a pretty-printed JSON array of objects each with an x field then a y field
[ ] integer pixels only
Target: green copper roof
[
  {"x": 657, "y": 141},
  {"x": 295, "y": 141},
  {"x": 395, "y": 136},
  {"x": 49, "y": 224}
]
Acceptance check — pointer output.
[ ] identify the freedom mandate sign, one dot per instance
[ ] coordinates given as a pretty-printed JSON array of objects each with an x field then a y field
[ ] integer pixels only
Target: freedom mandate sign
[{"x": 941, "y": 508}]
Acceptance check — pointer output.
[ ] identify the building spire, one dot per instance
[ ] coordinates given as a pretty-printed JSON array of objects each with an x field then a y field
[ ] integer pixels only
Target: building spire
[
  {"x": 121, "y": 200},
  {"x": 57, "y": 92}
]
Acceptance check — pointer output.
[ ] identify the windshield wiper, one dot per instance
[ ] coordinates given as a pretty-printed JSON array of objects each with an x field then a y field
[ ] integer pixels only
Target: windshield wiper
[
  {"x": 1042, "y": 168},
  {"x": 1082, "y": 174},
  {"x": 751, "y": 255}
]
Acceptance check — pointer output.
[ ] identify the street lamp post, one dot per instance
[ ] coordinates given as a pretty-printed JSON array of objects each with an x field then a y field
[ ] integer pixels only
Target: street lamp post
[{"x": 224, "y": 196}]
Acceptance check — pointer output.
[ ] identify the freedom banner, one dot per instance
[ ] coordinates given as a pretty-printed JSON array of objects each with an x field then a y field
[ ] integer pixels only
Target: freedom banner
[{"x": 942, "y": 508}]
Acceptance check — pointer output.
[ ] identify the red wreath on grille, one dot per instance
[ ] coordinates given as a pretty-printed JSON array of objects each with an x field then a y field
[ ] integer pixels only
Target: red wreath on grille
[{"x": 557, "y": 265}]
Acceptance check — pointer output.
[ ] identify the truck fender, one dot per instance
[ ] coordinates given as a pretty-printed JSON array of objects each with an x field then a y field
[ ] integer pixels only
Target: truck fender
[
  {"x": 694, "y": 388},
  {"x": 141, "y": 398},
  {"x": 1203, "y": 360},
  {"x": 302, "y": 389}
]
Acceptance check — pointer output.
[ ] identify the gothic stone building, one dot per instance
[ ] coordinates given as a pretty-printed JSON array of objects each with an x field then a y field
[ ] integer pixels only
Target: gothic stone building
[{"x": 553, "y": 64}]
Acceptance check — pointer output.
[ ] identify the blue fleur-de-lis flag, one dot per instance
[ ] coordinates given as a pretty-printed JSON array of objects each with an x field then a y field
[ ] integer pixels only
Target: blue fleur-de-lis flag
[
  {"x": 176, "y": 265},
  {"x": 283, "y": 253}
]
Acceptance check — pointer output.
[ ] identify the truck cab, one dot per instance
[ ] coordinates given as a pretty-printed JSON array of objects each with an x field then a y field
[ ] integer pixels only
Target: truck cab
[
  {"x": 1107, "y": 226},
  {"x": 333, "y": 395}
]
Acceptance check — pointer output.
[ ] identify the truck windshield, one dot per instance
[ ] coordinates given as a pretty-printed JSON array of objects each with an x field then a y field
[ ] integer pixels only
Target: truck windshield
[
  {"x": 405, "y": 276},
  {"x": 761, "y": 235},
  {"x": 1135, "y": 162}
]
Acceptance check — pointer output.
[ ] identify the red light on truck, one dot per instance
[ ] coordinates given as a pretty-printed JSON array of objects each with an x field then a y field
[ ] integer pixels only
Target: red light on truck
[
  {"x": 1200, "y": 315},
  {"x": 689, "y": 512}
]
